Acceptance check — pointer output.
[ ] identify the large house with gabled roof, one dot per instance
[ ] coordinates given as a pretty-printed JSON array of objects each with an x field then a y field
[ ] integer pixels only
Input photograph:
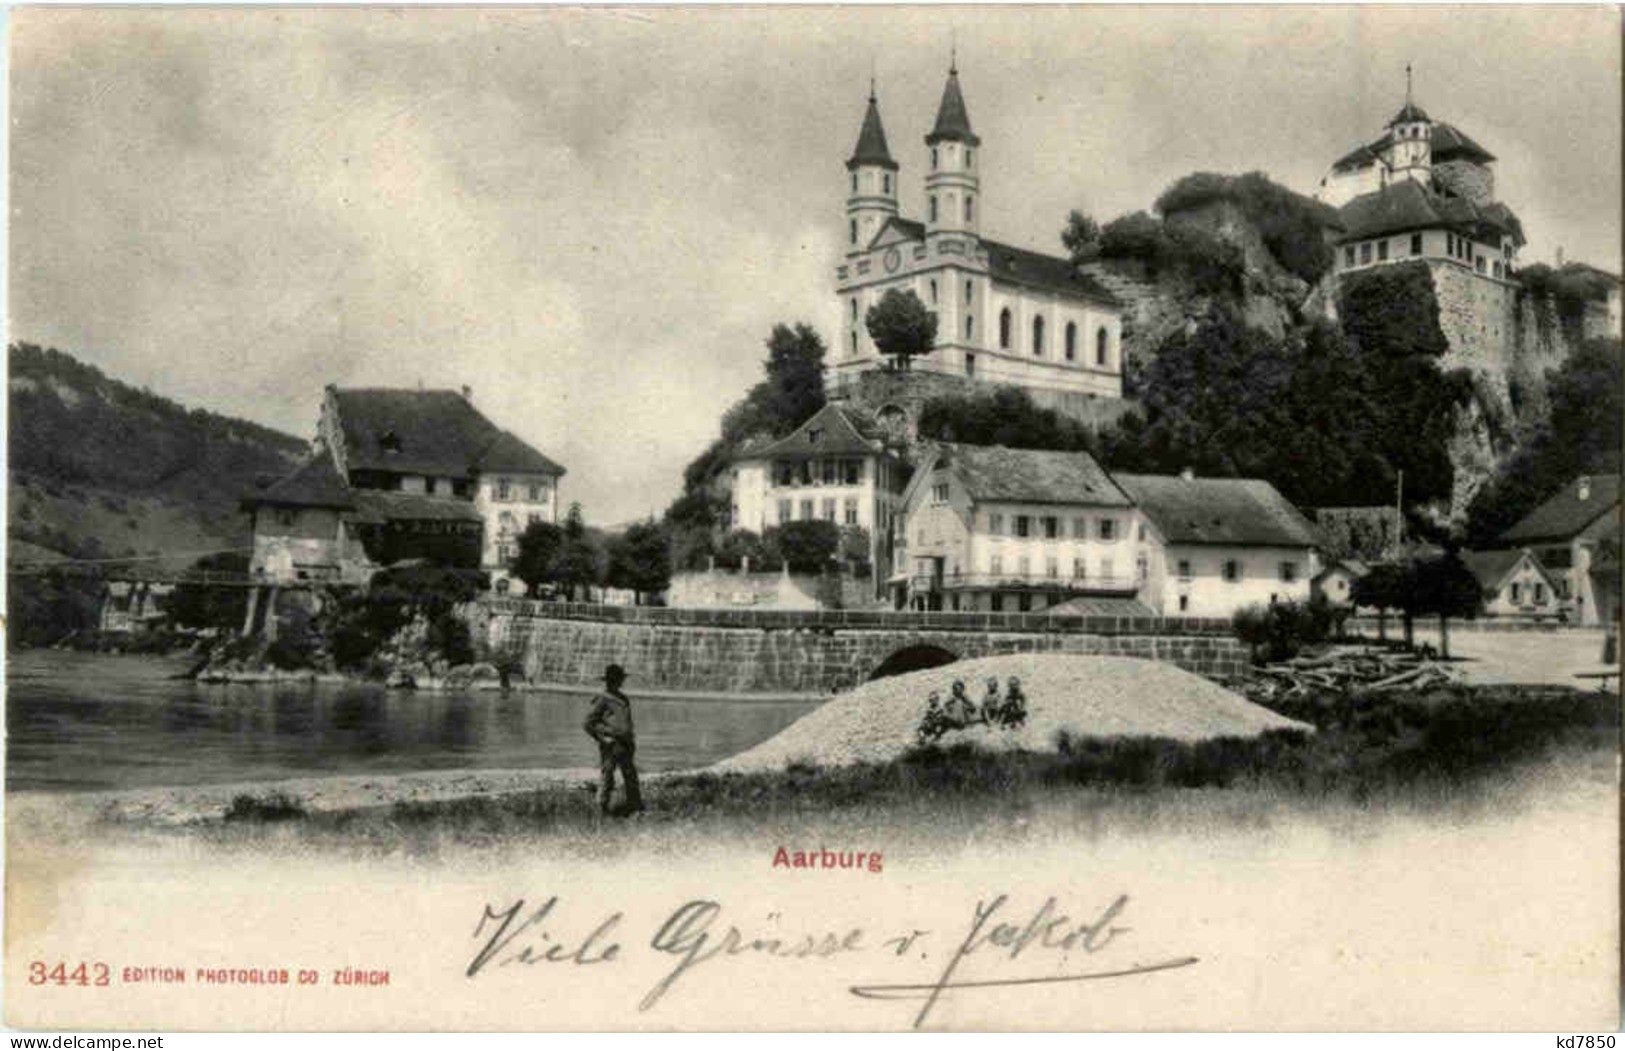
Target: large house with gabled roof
[
  {"x": 836, "y": 467},
  {"x": 399, "y": 475},
  {"x": 1574, "y": 536},
  {"x": 1005, "y": 315}
]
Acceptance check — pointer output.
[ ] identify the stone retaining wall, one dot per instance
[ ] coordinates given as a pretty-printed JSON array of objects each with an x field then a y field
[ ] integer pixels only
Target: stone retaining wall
[{"x": 809, "y": 657}]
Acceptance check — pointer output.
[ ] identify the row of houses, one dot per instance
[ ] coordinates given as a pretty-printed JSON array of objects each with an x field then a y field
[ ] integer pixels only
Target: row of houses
[{"x": 988, "y": 528}]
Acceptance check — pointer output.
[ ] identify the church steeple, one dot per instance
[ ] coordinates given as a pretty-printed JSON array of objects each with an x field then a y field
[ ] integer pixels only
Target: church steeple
[
  {"x": 953, "y": 121},
  {"x": 871, "y": 147},
  {"x": 871, "y": 181},
  {"x": 951, "y": 182}
]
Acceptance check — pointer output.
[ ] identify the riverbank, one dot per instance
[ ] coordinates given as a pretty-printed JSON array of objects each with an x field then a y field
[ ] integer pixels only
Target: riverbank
[{"x": 1455, "y": 750}]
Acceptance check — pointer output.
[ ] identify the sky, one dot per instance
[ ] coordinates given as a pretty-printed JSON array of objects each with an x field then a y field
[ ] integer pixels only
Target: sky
[{"x": 594, "y": 217}]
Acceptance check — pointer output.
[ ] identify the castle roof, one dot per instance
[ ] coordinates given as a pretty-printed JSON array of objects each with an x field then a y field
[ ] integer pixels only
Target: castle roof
[
  {"x": 953, "y": 121},
  {"x": 871, "y": 147},
  {"x": 1411, "y": 113},
  {"x": 1239, "y": 511},
  {"x": 1408, "y": 205},
  {"x": 428, "y": 432},
  {"x": 1448, "y": 143},
  {"x": 314, "y": 483},
  {"x": 994, "y": 473}
]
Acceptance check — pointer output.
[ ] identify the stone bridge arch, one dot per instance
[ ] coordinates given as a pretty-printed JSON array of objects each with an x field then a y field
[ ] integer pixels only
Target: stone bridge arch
[{"x": 912, "y": 656}]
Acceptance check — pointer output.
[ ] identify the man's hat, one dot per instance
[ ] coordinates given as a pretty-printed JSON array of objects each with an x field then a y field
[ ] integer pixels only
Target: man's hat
[{"x": 614, "y": 674}]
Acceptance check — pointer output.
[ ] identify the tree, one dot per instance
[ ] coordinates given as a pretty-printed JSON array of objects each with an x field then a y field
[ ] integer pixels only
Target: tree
[
  {"x": 1001, "y": 416},
  {"x": 579, "y": 562},
  {"x": 1584, "y": 436},
  {"x": 791, "y": 391},
  {"x": 640, "y": 560},
  {"x": 1081, "y": 237},
  {"x": 901, "y": 326},
  {"x": 539, "y": 545},
  {"x": 1447, "y": 588},
  {"x": 1383, "y": 588},
  {"x": 806, "y": 546}
]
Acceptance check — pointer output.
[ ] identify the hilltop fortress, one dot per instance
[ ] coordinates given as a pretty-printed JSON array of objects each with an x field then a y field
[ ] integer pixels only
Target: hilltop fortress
[{"x": 1422, "y": 195}]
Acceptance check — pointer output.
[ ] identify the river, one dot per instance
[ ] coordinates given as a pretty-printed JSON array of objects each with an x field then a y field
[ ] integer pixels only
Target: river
[{"x": 85, "y": 721}]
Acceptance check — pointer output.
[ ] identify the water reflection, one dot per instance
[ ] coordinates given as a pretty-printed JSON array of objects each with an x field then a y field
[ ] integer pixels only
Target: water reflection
[{"x": 88, "y": 721}]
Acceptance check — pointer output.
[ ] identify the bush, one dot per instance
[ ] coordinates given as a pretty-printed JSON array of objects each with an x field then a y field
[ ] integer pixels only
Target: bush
[
  {"x": 1290, "y": 225},
  {"x": 273, "y": 806},
  {"x": 449, "y": 636},
  {"x": 1280, "y": 630}
]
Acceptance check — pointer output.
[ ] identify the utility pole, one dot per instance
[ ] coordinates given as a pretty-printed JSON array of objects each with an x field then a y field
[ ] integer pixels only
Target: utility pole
[{"x": 1399, "y": 508}]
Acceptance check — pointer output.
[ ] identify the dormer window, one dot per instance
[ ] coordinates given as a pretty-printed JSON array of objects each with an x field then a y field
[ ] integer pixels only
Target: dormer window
[
  {"x": 814, "y": 435},
  {"x": 389, "y": 441}
]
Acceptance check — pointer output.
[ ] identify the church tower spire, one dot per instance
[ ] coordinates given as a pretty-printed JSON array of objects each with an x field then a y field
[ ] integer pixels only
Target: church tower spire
[
  {"x": 871, "y": 180},
  {"x": 952, "y": 185}
]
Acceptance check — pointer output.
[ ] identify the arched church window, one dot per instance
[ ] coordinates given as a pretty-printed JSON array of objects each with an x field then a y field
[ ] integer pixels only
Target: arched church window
[
  {"x": 970, "y": 210},
  {"x": 1038, "y": 334},
  {"x": 854, "y": 308},
  {"x": 970, "y": 326},
  {"x": 854, "y": 182},
  {"x": 933, "y": 209},
  {"x": 1102, "y": 341},
  {"x": 970, "y": 157},
  {"x": 933, "y": 158},
  {"x": 885, "y": 180},
  {"x": 854, "y": 232},
  {"x": 968, "y": 289},
  {"x": 1004, "y": 328},
  {"x": 1071, "y": 340},
  {"x": 933, "y": 290},
  {"x": 854, "y": 344}
]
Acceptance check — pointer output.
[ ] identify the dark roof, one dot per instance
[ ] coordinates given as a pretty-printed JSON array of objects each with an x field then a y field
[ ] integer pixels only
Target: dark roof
[
  {"x": 1243, "y": 511},
  {"x": 953, "y": 122},
  {"x": 871, "y": 147},
  {"x": 1491, "y": 567},
  {"x": 1034, "y": 476},
  {"x": 1361, "y": 156},
  {"x": 1408, "y": 205},
  {"x": 508, "y": 453},
  {"x": 1410, "y": 113},
  {"x": 1564, "y": 515},
  {"x": 383, "y": 505},
  {"x": 431, "y": 432},
  {"x": 833, "y": 430},
  {"x": 1047, "y": 272},
  {"x": 1449, "y": 143},
  {"x": 1101, "y": 606},
  {"x": 314, "y": 483}
]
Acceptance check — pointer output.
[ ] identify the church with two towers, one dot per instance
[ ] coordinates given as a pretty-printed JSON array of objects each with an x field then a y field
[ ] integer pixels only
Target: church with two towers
[{"x": 1005, "y": 315}]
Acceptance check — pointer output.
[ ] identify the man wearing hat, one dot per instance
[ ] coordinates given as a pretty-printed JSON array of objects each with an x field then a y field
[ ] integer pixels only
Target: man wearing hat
[{"x": 609, "y": 722}]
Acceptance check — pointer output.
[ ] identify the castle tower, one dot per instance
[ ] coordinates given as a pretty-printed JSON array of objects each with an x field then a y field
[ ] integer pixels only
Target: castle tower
[
  {"x": 1411, "y": 152},
  {"x": 871, "y": 181},
  {"x": 952, "y": 186}
]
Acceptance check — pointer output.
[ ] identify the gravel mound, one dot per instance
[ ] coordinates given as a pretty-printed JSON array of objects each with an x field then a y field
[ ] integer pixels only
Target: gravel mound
[{"x": 1085, "y": 696}]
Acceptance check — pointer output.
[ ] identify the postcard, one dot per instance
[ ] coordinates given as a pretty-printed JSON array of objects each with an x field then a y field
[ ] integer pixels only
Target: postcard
[{"x": 822, "y": 519}]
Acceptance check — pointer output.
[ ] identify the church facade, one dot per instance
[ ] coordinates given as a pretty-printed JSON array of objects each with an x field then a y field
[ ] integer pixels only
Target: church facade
[{"x": 1005, "y": 315}]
